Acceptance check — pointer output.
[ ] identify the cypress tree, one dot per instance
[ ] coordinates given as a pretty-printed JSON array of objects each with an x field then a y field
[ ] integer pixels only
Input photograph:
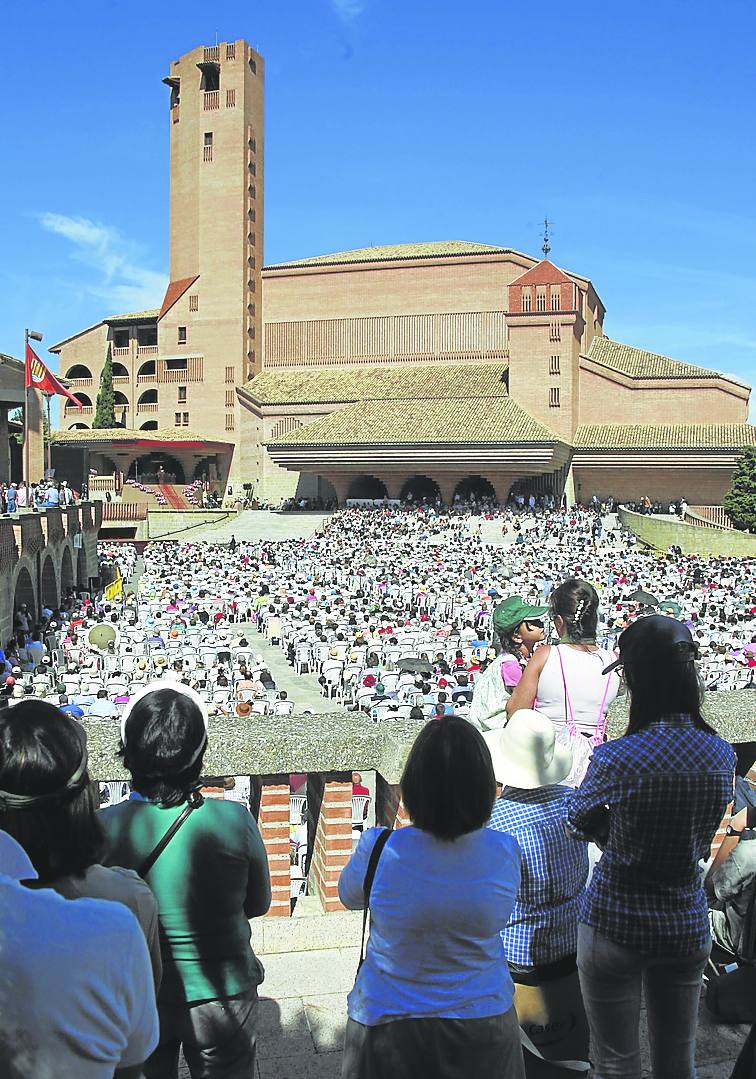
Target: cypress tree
[
  {"x": 740, "y": 500},
  {"x": 105, "y": 408}
]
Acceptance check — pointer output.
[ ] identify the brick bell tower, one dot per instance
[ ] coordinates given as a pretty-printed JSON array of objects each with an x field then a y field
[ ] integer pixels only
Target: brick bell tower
[{"x": 210, "y": 323}]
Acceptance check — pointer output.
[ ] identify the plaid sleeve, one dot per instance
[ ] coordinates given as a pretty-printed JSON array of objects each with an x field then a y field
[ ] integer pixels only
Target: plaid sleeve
[{"x": 588, "y": 809}]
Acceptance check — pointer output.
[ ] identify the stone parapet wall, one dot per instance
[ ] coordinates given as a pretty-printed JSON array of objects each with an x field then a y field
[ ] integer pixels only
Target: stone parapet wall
[{"x": 692, "y": 539}]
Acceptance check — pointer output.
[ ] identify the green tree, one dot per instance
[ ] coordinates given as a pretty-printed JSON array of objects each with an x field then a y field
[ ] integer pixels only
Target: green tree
[
  {"x": 105, "y": 408},
  {"x": 740, "y": 500}
]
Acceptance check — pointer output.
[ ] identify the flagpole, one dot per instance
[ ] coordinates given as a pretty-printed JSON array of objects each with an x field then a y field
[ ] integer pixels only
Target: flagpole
[
  {"x": 48, "y": 441},
  {"x": 26, "y": 411}
]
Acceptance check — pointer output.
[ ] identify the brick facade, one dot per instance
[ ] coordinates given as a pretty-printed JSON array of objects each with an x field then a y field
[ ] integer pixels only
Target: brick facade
[{"x": 333, "y": 841}]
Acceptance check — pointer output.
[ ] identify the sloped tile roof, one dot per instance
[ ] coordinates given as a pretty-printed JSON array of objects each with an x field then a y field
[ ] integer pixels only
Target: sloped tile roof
[
  {"x": 175, "y": 291},
  {"x": 132, "y": 316},
  {"x": 335, "y": 385},
  {"x": 387, "y": 252},
  {"x": 673, "y": 436},
  {"x": 638, "y": 363},
  {"x": 544, "y": 273},
  {"x": 412, "y": 421},
  {"x": 124, "y": 434}
]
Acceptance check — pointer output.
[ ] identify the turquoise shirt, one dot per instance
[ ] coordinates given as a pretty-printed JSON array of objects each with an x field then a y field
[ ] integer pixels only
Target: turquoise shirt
[{"x": 210, "y": 879}]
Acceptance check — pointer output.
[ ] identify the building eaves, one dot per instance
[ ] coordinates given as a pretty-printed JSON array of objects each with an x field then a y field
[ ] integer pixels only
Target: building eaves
[{"x": 132, "y": 316}]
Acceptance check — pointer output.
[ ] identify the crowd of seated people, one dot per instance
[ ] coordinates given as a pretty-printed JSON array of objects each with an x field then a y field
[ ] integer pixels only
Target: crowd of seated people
[{"x": 400, "y": 614}]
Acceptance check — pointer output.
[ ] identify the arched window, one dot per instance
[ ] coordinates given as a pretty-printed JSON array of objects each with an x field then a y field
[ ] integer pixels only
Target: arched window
[
  {"x": 79, "y": 370},
  {"x": 149, "y": 397},
  {"x": 119, "y": 371}
]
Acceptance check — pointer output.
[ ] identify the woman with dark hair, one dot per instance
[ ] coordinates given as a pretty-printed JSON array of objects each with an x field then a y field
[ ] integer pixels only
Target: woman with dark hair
[
  {"x": 209, "y": 879},
  {"x": 43, "y": 750},
  {"x": 653, "y": 799},
  {"x": 567, "y": 679},
  {"x": 434, "y": 994}
]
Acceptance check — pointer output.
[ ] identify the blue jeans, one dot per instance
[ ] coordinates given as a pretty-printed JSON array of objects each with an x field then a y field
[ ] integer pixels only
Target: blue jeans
[{"x": 611, "y": 978}]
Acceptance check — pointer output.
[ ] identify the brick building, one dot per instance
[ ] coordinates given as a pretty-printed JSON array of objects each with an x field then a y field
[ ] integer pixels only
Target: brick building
[{"x": 430, "y": 367}]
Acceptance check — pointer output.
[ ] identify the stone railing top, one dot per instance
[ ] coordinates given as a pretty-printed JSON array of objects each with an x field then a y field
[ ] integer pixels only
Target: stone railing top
[{"x": 342, "y": 741}]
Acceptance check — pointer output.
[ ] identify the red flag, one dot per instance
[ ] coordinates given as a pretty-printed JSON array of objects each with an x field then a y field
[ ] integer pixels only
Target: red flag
[{"x": 39, "y": 378}]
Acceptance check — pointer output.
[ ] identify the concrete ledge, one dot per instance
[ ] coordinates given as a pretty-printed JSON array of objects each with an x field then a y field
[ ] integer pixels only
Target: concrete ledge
[
  {"x": 308, "y": 931},
  {"x": 692, "y": 539}
]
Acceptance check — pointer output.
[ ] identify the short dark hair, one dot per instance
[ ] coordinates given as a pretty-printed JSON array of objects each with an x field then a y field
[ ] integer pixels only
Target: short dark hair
[
  {"x": 448, "y": 784},
  {"x": 40, "y": 749},
  {"x": 164, "y": 730}
]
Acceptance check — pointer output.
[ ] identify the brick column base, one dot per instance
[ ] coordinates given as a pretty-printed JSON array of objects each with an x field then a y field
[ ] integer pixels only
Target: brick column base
[
  {"x": 333, "y": 844},
  {"x": 274, "y": 828}
]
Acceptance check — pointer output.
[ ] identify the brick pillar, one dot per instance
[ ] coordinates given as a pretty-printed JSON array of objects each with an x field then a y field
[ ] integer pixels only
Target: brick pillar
[
  {"x": 333, "y": 843},
  {"x": 274, "y": 828}
]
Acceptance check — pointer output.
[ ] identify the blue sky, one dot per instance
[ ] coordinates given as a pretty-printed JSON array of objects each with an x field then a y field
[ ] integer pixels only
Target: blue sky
[{"x": 391, "y": 121}]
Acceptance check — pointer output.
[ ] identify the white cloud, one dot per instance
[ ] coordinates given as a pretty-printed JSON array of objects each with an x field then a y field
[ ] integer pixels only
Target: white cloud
[
  {"x": 120, "y": 280},
  {"x": 348, "y": 9}
]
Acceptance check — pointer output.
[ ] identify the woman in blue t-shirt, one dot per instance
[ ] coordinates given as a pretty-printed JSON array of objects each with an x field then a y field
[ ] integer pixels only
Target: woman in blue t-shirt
[{"x": 434, "y": 995}]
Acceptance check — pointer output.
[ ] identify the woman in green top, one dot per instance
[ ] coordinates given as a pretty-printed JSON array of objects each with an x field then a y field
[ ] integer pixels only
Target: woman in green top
[{"x": 210, "y": 878}]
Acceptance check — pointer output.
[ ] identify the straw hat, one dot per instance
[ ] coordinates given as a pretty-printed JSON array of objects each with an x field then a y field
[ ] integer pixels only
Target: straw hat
[
  {"x": 243, "y": 709},
  {"x": 525, "y": 753}
]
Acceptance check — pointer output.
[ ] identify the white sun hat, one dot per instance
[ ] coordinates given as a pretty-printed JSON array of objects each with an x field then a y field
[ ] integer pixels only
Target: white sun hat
[{"x": 525, "y": 753}]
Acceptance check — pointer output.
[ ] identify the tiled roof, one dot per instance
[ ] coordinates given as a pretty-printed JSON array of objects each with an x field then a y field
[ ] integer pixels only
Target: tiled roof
[
  {"x": 387, "y": 252},
  {"x": 637, "y": 363},
  {"x": 543, "y": 273},
  {"x": 133, "y": 316},
  {"x": 124, "y": 434},
  {"x": 334, "y": 385},
  {"x": 677, "y": 436},
  {"x": 471, "y": 420}
]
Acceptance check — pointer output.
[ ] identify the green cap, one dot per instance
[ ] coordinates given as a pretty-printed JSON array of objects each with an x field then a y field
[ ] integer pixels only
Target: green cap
[{"x": 510, "y": 612}]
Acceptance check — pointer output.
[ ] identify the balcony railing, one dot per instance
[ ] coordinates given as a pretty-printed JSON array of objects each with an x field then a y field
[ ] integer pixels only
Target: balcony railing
[
  {"x": 122, "y": 351},
  {"x": 147, "y": 350},
  {"x": 191, "y": 373},
  {"x": 175, "y": 114},
  {"x": 207, "y": 153},
  {"x": 121, "y": 380},
  {"x": 74, "y": 410},
  {"x": 146, "y": 378},
  {"x": 73, "y": 383},
  {"x": 212, "y": 100},
  {"x": 212, "y": 54},
  {"x": 147, "y": 406}
]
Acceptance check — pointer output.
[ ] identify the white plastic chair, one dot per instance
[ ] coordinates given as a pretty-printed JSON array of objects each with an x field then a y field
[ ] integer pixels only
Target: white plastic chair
[{"x": 297, "y": 808}]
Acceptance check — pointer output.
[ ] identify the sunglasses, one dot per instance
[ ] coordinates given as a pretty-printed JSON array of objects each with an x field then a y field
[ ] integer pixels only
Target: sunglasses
[{"x": 536, "y": 623}]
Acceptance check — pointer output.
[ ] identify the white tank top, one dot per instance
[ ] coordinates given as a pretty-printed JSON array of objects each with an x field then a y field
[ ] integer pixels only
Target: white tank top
[{"x": 586, "y": 686}]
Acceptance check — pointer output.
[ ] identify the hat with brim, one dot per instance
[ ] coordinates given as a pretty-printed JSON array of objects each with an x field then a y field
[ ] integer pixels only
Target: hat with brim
[
  {"x": 512, "y": 611},
  {"x": 525, "y": 753},
  {"x": 243, "y": 709},
  {"x": 655, "y": 639}
]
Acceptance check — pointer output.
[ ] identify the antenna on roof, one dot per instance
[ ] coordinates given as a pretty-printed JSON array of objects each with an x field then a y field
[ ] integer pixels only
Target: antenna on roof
[{"x": 546, "y": 245}]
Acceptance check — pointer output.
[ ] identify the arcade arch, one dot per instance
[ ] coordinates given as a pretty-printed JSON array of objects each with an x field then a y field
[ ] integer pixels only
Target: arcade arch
[
  {"x": 420, "y": 487},
  {"x": 367, "y": 486},
  {"x": 478, "y": 486}
]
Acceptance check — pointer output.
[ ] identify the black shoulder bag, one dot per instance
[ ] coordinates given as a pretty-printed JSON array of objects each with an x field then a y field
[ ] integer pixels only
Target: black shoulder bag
[
  {"x": 194, "y": 801},
  {"x": 367, "y": 885}
]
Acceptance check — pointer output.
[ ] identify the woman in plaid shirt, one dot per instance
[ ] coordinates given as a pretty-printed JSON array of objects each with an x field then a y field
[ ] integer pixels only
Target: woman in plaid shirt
[{"x": 653, "y": 799}]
